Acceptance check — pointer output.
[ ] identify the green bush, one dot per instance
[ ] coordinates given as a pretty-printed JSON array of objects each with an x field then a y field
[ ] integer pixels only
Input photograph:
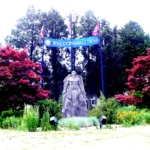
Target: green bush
[
  {"x": 1, "y": 120},
  {"x": 31, "y": 117},
  {"x": 18, "y": 113},
  {"x": 75, "y": 123},
  {"x": 6, "y": 123},
  {"x": 147, "y": 117},
  {"x": 128, "y": 108},
  {"x": 107, "y": 108},
  {"x": 7, "y": 113},
  {"x": 53, "y": 108},
  {"x": 10, "y": 118},
  {"x": 128, "y": 116},
  {"x": 10, "y": 112},
  {"x": 11, "y": 122},
  {"x": 45, "y": 122}
]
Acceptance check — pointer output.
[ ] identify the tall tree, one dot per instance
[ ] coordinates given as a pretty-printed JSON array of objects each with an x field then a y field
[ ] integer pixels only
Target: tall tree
[
  {"x": 112, "y": 56},
  {"x": 91, "y": 61},
  {"x": 20, "y": 80},
  {"x": 55, "y": 28},
  {"x": 138, "y": 82},
  {"x": 133, "y": 43},
  {"x": 26, "y": 32}
]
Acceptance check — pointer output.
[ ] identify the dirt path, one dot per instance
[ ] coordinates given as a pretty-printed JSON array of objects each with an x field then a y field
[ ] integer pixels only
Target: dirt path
[{"x": 133, "y": 138}]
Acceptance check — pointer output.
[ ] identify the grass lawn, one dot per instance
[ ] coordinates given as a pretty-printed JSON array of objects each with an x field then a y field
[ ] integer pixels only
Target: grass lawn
[{"x": 118, "y": 138}]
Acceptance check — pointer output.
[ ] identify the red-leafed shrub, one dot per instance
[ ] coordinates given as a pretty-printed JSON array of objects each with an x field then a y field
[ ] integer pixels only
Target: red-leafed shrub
[
  {"x": 20, "y": 79},
  {"x": 128, "y": 99},
  {"x": 138, "y": 82}
]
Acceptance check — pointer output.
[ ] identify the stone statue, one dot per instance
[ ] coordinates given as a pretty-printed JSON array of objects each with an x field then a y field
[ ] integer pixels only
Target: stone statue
[{"x": 74, "y": 96}]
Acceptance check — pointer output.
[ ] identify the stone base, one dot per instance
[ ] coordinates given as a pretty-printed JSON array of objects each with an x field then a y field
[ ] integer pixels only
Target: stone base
[{"x": 75, "y": 111}]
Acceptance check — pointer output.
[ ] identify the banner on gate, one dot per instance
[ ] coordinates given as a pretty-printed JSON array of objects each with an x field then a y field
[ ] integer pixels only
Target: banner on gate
[{"x": 49, "y": 42}]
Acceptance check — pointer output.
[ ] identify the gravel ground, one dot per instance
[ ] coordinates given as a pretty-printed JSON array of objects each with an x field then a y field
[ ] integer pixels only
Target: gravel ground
[{"x": 118, "y": 138}]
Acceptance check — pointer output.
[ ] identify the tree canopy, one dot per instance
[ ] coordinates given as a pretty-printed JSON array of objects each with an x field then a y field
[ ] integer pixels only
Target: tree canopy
[
  {"x": 138, "y": 82},
  {"x": 20, "y": 80},
  {"x": 119, "y": 47}
]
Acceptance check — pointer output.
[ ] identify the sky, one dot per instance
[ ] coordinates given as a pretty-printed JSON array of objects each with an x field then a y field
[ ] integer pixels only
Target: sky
[{"x": 116, "y": 12}]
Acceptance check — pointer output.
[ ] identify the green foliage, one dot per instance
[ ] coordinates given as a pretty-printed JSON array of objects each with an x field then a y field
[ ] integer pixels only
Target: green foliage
[
  {"x": 1, "y": 120},
  {"x": 10, "y": 112},
  {"x": 31, "y": 117},
  {"x": 51, "y": 106},
  {"x": 127, "y": 108},
  {"x": 7, "y": 113},
  {"x": 26, "y": 34},
  {"x": 22, "y": 126},
  {"x": 60, "y": 101},
  {"x": 11, "y": 122},
  {"x": 133, "y": 42},
  {"x": 30, "y": 23},
  {"x": 75, "y": 123},
  {"x": 147, "y": 118},
  {"x": 90, "y": 54},
  {"x": 137, "y": 94},
  {"x": 119, "y": 46},
  {"x": 45, "y": 122},
  {"x": 102, "y": 97},
  {"x": 128, "y": 116},
  {"x": 108, "y": 108}
]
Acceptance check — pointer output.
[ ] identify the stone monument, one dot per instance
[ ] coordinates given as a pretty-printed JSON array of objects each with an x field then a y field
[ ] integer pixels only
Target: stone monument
[{"x": 74, "y": 96}]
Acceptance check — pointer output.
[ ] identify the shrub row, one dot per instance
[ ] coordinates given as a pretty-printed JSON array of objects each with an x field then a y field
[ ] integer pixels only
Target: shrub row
[
  {"x": 32, "y": 116},
  {"x": 38, "y": 116},
  {"x": 117, "y": 114}
]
